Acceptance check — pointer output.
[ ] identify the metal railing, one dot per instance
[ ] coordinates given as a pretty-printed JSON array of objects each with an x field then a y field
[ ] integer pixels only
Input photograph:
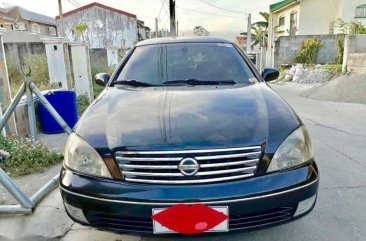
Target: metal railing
[{"x": 26, "y": 204}]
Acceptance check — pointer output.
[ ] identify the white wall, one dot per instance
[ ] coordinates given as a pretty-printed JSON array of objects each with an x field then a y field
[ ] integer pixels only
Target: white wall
[
  {"x": 106, "y": 29},
  {"x": 82, "y": 70},
  {"x": 56, "y": 64},
  {"x": 283, "y": 30},
  {"x": 317, "y": 16},
  {"x": 349, "y": 10}
]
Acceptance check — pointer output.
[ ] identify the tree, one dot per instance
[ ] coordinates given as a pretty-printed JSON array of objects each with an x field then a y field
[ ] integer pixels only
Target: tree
[
  {"x": 200, "y": 31},
  {"x": 79, "y": 29},
  {"x": 260, "y": 31}
]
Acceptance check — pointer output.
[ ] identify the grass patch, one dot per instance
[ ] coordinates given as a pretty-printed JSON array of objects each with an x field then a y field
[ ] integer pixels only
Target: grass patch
[
  {"x": 38, "y": 64},
  {"x": 335, "y": 70},
  {"x": 27, "y": 157},
  {"x": 83, "y": 103}
]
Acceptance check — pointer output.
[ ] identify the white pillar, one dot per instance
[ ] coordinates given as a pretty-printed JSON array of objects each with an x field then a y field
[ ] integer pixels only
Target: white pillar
[
  {"x": 5, "y": 93},
  {"x": 81, "y": 69},
  {"x": 58, "y": 61},
  {"x": 113, "y": 58}
]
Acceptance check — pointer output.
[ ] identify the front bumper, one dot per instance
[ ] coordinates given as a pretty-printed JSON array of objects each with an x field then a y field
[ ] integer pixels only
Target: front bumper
[{"x": 127, "y": 207}]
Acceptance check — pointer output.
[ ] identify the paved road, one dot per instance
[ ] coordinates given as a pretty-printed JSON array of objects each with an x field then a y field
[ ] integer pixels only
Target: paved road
[{"x": 339, "y": 138}]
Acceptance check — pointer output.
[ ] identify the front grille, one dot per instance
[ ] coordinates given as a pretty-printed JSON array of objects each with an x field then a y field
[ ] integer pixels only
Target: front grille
[
  {"x": 254, "y": 220},
  {"x": 119, "y": 223},
  {"x": 215, "y": 165}
]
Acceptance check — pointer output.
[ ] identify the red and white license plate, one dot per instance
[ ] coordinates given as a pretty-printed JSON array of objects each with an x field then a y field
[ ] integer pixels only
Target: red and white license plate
[{"x": 195, "y": 221}]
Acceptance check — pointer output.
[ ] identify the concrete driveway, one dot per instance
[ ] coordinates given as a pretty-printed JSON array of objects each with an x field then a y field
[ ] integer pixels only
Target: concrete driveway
[{"x": 339, "y": 138}]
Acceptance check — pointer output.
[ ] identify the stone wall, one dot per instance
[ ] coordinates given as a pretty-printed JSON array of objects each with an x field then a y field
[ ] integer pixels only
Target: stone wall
[
  {"x": 16, "y": 53},
  {"x": 354, "y": 58},
  {"x": 357, "y": 63},
  {"x": 287, "y": 47},
  {"x": 98, "y": 58}
]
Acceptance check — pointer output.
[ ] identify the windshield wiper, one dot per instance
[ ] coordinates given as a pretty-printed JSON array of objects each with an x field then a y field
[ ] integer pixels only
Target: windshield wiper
[
  {"x": 132, "y": 82},
  {"x": 200, "y": 82}
]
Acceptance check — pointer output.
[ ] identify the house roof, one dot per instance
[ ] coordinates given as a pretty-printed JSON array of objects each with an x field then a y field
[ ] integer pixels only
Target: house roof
[
  {"x": 36, "y": 17},
  {"x": 28, "y": 15},
  {"x": 95, "y": 4},
  {"x": 276, "y": 6}
]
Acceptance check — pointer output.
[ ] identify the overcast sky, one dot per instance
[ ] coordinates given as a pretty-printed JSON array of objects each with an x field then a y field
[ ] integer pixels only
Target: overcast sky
[{"x": 227, "y": 25}]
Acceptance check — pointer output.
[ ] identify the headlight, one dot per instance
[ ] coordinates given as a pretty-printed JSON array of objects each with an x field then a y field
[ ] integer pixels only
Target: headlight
[
  {"x": 81, "y": 157},
  {"x": 294, "y": 151}
]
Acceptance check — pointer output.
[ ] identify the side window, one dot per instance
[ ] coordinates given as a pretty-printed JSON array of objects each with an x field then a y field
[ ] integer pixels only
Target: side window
[
  {"x": 361, "y": 11},
  {"x": 35, "y": 28},
  {"x": 143, "y": 65},
  {"x": 293, "y": 23},
  {"x": 51, "y": 31},
  {"x": 281, "y": 21}
]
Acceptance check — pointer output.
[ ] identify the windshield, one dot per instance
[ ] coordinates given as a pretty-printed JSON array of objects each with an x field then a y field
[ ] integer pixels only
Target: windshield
[{"x": 159, "y": 64}]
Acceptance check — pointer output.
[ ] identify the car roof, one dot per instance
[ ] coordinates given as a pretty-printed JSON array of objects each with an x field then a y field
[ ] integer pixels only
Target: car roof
[{"x": 183, "y": 40}]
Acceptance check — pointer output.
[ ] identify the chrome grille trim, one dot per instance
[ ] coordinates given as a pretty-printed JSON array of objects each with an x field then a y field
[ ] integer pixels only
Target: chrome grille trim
[
  {"x": 188, "y": 151},
  {"x": 189, "y": 181},
  {"x": 147, "y": 174},
  {"x": 225, "y": 164},
  {"x": 163, "y": 167},
  {"x": 174, "y": 167}
]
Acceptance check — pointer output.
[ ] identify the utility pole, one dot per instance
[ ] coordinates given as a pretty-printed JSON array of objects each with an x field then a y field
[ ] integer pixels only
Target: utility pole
[
  {"x": 61, "y": 26},
  {"x": 156, "y": 28},
  {"x": 249, "y": 34},
  {"x": 172, "y": 18},
  {"x": 177, "y": 29}
]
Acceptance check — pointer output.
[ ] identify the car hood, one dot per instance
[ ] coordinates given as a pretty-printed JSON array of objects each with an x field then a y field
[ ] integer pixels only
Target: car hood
[{"x": 187, "y": 117}]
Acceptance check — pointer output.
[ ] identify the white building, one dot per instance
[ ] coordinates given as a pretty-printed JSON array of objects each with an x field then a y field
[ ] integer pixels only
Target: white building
[
  {"x": 311, "y": 17},
  {"x": 108, "y": 28}
]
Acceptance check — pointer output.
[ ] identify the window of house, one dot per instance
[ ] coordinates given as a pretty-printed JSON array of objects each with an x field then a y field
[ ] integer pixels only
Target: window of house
[
  {"x": 293, "y": 23},
  {"x": 361, "y": 11},
  {"x": 281, "y": 21},
  {"x": 35, "y": 28},
  {"x": 19, "y": 26},
  {"x": 51, "y": 31}
]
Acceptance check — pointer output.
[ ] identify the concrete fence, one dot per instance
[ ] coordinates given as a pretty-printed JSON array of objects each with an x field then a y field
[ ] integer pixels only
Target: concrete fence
[
  {"x": 286, "y": 48},
  {"x": 354, "y": 58}
]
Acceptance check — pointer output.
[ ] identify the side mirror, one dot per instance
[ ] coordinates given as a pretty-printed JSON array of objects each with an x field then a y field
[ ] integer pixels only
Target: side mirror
[
  {"x": 102, "y": 79},
  {"x": 270, "y": 74}
]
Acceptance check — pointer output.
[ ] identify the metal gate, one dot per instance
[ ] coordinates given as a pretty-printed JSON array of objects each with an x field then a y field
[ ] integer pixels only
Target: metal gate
[{"x": 26, "y": 204}]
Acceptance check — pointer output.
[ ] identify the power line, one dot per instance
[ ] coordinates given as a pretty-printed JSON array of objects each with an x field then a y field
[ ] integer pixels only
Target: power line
[
  {"x": 162, "y": 6},
  {"x": 224, "y": 9},
  {"x": 198, "y": 11},
  {"x": 165, "y": 4}
]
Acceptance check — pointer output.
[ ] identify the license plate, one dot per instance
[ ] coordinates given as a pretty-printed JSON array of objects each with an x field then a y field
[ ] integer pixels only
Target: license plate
[{"x": 222, "y": 227}]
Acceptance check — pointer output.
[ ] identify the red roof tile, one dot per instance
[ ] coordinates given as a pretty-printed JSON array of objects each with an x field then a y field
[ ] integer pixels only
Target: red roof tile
[{"x": 95, "y": 4}]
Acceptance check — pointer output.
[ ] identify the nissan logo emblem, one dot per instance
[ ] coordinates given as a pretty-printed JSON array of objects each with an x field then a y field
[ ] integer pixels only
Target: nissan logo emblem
[{"x": 188, "y": 166}]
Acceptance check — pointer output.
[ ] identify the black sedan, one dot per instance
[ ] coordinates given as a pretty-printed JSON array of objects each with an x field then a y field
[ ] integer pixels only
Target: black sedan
[{"x": 188, "y": 138}]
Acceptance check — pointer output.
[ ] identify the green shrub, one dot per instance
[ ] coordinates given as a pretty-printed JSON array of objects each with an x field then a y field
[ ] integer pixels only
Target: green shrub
[
  {"x": 308, "y": 51},
  {"x": 16, "y": 78},
  {"x": 83, "y": 103},
  {"x": 335, "y": 70},
  {"x": 26, "y": 156},
  {"x": 340, "y": 49},
  {"x": 352, "y": 27}
]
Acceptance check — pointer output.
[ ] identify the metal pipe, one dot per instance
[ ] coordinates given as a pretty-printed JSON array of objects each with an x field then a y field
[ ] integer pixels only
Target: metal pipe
[
  {"x": 47, "y": 188},
  {"x": 50, "y": 108},
  {"x": 14, "y": 209},
  {"x": 30, "y": 106},
  {"x": 14, "y": 190},
  {"x": 12, "y": 106}
]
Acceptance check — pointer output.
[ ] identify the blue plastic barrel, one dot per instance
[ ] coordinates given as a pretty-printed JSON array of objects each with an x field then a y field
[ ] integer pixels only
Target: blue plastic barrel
[{"x": 65, "y": 104}]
